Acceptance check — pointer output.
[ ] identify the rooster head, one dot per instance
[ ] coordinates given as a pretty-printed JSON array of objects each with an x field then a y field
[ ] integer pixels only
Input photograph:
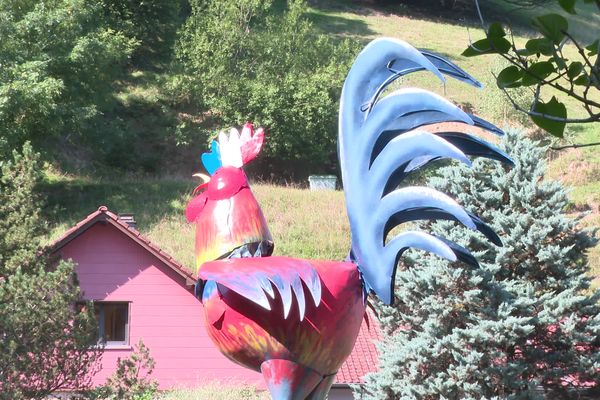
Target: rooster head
[{"x": 224, "y": 210}]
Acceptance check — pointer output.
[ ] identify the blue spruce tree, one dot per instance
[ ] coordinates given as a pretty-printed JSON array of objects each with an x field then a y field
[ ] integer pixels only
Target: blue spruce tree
[{"x": 524, "y": 325}]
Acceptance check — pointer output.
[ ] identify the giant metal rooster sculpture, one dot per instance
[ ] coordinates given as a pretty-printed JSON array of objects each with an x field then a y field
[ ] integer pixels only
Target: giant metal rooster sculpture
[{"x": 296, "y": 320}]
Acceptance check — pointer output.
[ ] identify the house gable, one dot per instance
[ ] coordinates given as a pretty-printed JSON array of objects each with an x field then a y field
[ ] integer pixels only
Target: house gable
[
  {"x": 104, "y": 217},
  {"x": 112, "y": 266}
]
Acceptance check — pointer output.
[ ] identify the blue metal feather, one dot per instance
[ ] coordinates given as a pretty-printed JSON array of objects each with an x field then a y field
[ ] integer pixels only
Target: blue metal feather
[
  {"x": 212, "y": 159},
  {"x": 473, "y": 146},
  {"x": 425, "y": 213},
  {"x": 371, "y": 73},
  {"x": 379, "y": 144},
  {"x": 285, "y": 291},
  {"x": 298, "y": 290},
  {"x": 449, "y": 68},
  {"x": 460, "y": 252},
  {"x": 311, "y": 279},
  {"x": 403, "y": 66},
  {"x": 414, "y": 197},
  {"x": 403, "y": 149},
  {"x": 483, "y": 124},
  {"x": 385, "y": 137},
  {"x": 469, "y": 145},
  {"x": 411, "y": 108}
]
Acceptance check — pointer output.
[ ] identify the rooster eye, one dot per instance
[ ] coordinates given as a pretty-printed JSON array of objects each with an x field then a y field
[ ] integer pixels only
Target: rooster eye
[{"x": 226, "y": 182}]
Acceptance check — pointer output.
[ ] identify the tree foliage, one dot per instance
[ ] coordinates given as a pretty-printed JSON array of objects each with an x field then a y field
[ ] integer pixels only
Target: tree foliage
[
  {"x": 262, "y": 60},
  {"x": 543, "y": 63},
  {"x": 45, "y": 342},
  {"x": 58, "y": 60},
  {"x": 152, "y": 23},
  {"x": 525, "y": 324}
]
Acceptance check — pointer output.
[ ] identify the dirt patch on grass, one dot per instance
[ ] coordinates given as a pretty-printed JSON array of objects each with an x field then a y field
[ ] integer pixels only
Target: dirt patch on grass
[
  {"x": 575, "y": 169},
  {"x": 580, "y": 172}
]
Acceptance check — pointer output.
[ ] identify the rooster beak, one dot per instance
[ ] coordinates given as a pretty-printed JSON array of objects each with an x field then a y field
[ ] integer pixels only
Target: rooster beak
[{"x": 203, "y": 177}]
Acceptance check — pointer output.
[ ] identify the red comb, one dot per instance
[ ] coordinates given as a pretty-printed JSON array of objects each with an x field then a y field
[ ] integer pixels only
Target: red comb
[{"x": 251, "y": 142}]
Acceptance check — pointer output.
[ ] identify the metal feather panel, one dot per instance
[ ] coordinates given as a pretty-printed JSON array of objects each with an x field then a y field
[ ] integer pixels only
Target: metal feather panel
[
  {"x": 414, "y": 198},
  {"x": 404, "y": 149},
  {"x": 473, "y": 146},
  {"x": 449, "y": 68},
  {"x": 256, "y": 277},
  {"x": 432, "y": 213},
  {"x": 380, "y": 144}
]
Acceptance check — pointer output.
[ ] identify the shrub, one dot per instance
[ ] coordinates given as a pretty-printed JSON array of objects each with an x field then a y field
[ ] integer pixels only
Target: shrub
[
  {"x": 262, "y": 60},
  {"x": 153, "y": 23},
  {"x": 59, "y": 59},
  {"x": 131, "y": 380}
]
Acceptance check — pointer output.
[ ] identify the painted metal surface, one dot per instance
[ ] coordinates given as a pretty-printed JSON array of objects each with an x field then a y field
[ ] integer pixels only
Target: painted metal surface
[
  {"x": 228, "y": 223},
  {"x": 297, "y": 320},
  {"x": 226, "y": 214},
  {"x": 250, "y": 334},
  {"x": 255, "y": 278},
  {"x": 380, "y": 143}
]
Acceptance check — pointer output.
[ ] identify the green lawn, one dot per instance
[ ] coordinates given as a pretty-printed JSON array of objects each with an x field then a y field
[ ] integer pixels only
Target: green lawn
[{"x": 215, "y": 391}]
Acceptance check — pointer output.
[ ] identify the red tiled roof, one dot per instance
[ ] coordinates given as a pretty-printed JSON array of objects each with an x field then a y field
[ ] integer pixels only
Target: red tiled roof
[
  {"x": 363, "y": 358},
  {"x": 104, "y": 215}
]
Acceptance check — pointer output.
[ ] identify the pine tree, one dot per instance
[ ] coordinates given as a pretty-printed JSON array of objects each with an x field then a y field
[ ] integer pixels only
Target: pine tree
[
  {"x": 525, "y": 324},
  {"x": 44, "y": 341}
]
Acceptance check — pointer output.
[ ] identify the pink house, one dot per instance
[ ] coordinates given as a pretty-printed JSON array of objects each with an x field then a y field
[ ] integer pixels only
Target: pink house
[{"x": 141, "y": 292}]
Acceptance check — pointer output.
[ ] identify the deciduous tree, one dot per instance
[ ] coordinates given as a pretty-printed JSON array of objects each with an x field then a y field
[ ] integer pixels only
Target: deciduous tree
[
  {"x": 544, "y": 66},
  {"x": 262, "y": 60}
]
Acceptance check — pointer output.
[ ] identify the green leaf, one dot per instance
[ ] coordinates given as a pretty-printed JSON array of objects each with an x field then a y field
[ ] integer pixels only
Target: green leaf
[
  {"x": 593, "y": 48},
  {"x": 525, "y": 52},
  {"x": 487, "y": 46},
  {"x": 574, "y": 69},
  {"x": 541, "y": 45},
  {"x": 583, "y": 80},
  {"x": 553, "y": 108},
  {"x": 529, "y": 80},
  {"x": 478, "y": 48},
  {"x": 500, "y": 45},
  {"x": 496, "y": 30},
  {"x": 542, "y": 69},
  {"x": 551, "y": 26},
  {"x": 509, "y": 77},
  {"x": 537, "y": 72},
  {"x": 568, "y": 5},
  {"x": 559, "y": 61}
]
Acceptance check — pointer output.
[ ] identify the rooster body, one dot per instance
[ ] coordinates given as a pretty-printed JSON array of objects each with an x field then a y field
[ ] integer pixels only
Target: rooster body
[
  {"x": 320, "y": 341},
  {"x": 296, "y": 321}
]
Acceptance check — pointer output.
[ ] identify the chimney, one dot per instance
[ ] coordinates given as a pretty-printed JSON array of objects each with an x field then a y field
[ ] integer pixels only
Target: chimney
[{"x": 128, "y": 219}]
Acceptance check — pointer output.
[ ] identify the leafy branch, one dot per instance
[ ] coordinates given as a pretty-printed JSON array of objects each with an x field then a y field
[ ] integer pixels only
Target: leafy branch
[{"x": 541, "y": 63}]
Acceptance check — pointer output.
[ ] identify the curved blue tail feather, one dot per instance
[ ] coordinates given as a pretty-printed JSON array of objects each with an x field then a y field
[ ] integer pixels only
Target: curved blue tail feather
[{"x": 382, "y": 141}]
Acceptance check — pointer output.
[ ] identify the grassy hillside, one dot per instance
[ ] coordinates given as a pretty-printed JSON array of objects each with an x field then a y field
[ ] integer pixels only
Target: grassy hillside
[
  {"x": 303, "y": 223},
  {"x": 308, "y": 224}
]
